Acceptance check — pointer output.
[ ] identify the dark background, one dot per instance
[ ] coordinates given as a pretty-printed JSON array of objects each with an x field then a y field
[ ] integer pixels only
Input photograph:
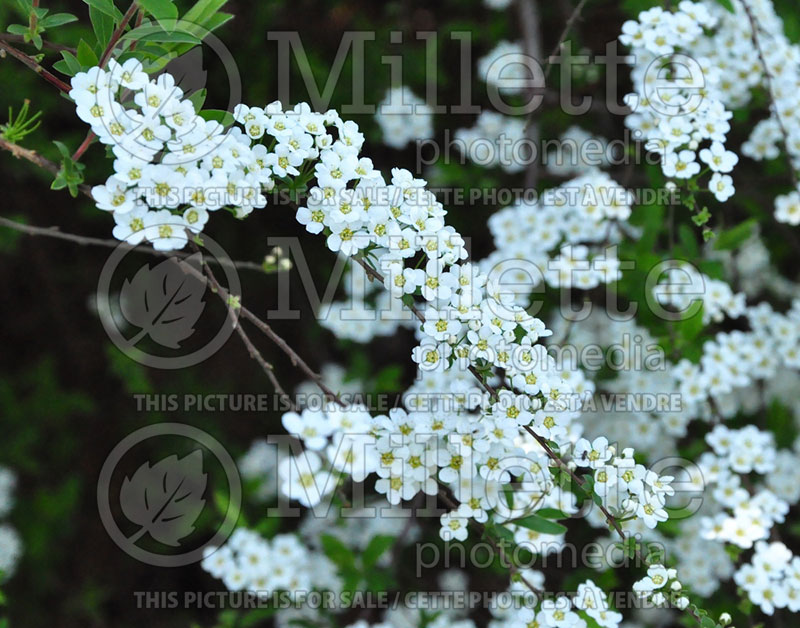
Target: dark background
[{"x": 66, "y": 394}]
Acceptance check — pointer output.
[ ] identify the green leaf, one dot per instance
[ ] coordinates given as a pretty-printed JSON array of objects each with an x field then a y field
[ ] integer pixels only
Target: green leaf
[
  {"x": 217, "y": 20},
  {"x": 102, "y": 25},
  {"x": 728, "y": 5},
  {"x": 86, "y": 56},
  {"x": 198, "y": 98},
  {"x": 106, "y": 7},
  {"x": 701, "y": 217},
  {"x": 732, "y": 238},
  {"x": 540, "y": 524},
  {"x": 338, "y": 552},
  {"x": 375, "y": 549},
  {"x": 217, "y": 115},
  {"x": 69, "y": 62},
  {"x": 551, "y": 513},
  {"x": 57, "y": 19},
  {"x": 62, "y": 148},
  {"x": 18, "y": 29},
  {"x": 148, "y": 32},
  {"x": 203, "y": 10},
  {"x": 164, "y": 11}
]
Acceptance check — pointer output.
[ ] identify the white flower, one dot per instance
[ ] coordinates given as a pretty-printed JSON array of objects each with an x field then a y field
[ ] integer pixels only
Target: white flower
[
  {"x": 304, "y": 480},
  {"x": 721, "y": 186},
  {"x": 164, "y": 230},
  {"x": 719, "y": 159},
  {"x": 454, "y": 526}
]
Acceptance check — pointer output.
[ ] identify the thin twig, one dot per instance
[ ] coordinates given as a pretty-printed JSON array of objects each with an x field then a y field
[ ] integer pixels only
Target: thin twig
[
  {"x": 547, "y": 63},
  {"x": 33, "y": 65},
  {"x": 19, "y": 39},
  {"x": 576, "y": 13},
  {"x": 117, "y": 34},
  {"x": 56, "y": 233},
  {"x": 268, "y": 369},
  {"x": 104, "y": 58},
  {"x": 768, "y": 80}
]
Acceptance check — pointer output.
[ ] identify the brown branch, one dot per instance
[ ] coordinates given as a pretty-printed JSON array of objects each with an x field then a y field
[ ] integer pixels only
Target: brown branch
[
  {"x": 87, "y": 141},
  {"x": 31, "y": 63},
  {"x": 576, "y": 13},
  {"x": 255, "y": 354},
  {"x": 265, "y": 329},
  {"x": 117, "y": 34},
  {"x": 56, "y": 233},
  {"x": 19, "y": 39}
]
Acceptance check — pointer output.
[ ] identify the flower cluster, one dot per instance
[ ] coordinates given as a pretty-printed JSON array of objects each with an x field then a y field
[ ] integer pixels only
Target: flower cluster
[
  {"x": 494, "y": 141},
  {"x": 249, "y": 562},
  {"x": 772, "y": 578},
  {"x": 675, "y": 122},
  {"x": 738, "y": 453},
  {"x": 590, "y": 602},
  {"x": 662, "y": 587},
  {"x": 173, "y": 166},
  {"x": 684, "y": 286},
  {"x": 503, "y": 66},
  {"x": 577, "y": 152},
  {"x": 403, "y": 118}
]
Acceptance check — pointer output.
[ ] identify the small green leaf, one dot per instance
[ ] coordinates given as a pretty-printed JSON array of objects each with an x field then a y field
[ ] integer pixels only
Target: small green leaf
[
  {"x": 198, "y": 98},
  {"x": 73, "y": 66},
  {"x": 102, "y": 25},
  {"x": 106, "y": 7},
  {"x": 58, "y": 19},
  {"x": 217, "y": 115},
  {"x": 728, "y": 5},
  {"x": 551, "y": 513},
  {"x": 540, "y": 524},
  {"x": 164, "y": 11},
  {"x": 701, "y": 217},
  {"x": 732, "y": 238},
  {"x": 338, "y": 552},
  {"x": 18, "y": 29},
  {"x": 203, "y": 10},
  {"x": 86, "y": 56},
  {"x": 62, "y": 148},
  {"x": 375, "y": 549}
]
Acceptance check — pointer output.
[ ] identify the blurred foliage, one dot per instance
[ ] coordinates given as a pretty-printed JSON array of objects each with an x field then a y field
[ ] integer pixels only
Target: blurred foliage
[{"x": 66, "y": 394}]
